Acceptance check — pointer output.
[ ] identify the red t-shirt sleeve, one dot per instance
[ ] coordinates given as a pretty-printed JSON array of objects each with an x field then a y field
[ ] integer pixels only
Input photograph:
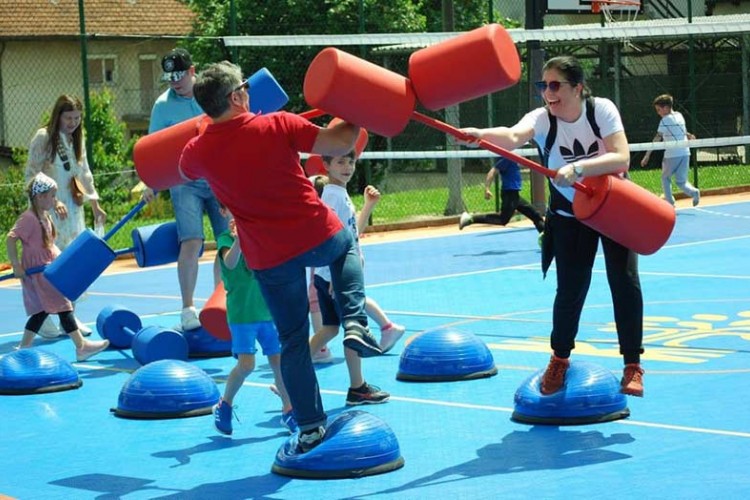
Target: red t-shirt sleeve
[{"x": 301, "y": 132}]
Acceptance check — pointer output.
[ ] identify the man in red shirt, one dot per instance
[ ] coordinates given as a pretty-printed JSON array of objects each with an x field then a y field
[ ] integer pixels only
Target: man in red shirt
[{"x": 252, "y": 164}]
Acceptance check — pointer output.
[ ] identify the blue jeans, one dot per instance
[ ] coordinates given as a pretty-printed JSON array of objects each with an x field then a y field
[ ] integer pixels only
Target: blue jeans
[{"x": 285, "y": 289}]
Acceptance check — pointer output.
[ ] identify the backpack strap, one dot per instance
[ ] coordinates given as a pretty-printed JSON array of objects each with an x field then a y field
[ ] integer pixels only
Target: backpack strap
[
  {"x": 592, "y": 118},
  {"x": 551, "y": 137}
]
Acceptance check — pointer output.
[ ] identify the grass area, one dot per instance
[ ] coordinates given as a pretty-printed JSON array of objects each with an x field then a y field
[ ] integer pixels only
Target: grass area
[{"x": 416, "y": 203}]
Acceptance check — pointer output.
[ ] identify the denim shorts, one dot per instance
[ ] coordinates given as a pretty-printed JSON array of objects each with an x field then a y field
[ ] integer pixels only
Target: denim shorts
[
  {"x": 244, "y": 336},
  {"x": 190, "y": 201}
]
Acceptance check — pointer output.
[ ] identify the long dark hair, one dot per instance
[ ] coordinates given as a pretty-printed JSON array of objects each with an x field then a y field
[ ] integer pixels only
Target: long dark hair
[
  {"x": 64, "y": 103},
  {"x": 571, "y": 69}
]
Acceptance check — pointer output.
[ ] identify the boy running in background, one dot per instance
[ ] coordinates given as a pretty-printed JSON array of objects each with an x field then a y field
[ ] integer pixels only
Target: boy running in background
[{"x": 510, "y": 175}]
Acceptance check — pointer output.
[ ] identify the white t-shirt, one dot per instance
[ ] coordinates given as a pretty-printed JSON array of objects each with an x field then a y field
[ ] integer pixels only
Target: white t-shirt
[
  {"x": 338, "y": 199},
  {"x": 575, "y": 140},
  {"x": 672, "y": 128}
]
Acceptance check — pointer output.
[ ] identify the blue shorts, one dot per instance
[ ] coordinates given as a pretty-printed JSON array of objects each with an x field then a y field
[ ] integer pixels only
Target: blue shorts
[
  {"x": 190, "y": 201},
  {"x": 329, "y": 309},
  {"x": 244, "y": 336}
]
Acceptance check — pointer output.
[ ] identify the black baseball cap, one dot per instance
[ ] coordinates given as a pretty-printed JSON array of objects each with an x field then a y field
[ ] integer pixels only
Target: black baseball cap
[{"x": 175, "y": 65}]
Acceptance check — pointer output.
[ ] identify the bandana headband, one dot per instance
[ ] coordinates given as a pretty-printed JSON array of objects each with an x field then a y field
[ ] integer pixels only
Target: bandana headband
[{"x": 41, "y": 184}]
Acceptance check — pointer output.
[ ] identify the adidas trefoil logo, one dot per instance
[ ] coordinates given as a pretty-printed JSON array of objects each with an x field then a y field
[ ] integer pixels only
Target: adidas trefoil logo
[{"x": 578, "y": 152}]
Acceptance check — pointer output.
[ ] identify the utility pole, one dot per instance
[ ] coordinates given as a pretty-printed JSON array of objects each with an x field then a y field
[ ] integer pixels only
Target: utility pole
[{"x": 535, "y": 61}]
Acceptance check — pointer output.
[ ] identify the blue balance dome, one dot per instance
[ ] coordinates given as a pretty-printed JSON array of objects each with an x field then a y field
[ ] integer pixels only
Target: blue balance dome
[
  {"x": 591, "y": 394},
  {"x": 445, "y": 355},
  {"x": 356, "y": 444},
  {"x": 34, "y": 371},
  {"x": 167, "y": 388}
]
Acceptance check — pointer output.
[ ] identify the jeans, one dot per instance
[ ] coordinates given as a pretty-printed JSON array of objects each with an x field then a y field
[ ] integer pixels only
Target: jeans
[
  {"x": 189, "y": 201},
  {"x": 284, "y": 288}
]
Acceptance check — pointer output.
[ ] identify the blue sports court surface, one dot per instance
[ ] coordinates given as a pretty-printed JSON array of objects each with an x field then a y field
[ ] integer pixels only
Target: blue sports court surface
[{"x": 689, "y": 437}]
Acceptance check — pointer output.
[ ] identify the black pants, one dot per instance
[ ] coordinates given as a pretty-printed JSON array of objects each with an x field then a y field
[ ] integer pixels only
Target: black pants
[
  {"x": 510, "y": 202},
  {"x": 574, "y": 245}
]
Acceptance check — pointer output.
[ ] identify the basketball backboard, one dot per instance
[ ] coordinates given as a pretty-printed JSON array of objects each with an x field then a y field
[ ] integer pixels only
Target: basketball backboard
[{"x": 580, "y": 6}]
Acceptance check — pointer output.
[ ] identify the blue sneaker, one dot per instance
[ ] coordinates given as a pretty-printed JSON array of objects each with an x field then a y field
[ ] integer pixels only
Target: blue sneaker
[
  {"x": 288, "y": 421},
  {"x": 223, "y": 417}
]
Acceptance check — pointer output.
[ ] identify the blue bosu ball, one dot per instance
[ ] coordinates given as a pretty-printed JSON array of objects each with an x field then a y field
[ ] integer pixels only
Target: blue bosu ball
[
  {"x": 356, "y": 444},
  {"x": 34, "y": 371},
  {"x": 202, "y": 344},
  {"x": 167, "y": 389},
  {"x": 445, "y": 355},
  {"x": 591, "y": 394}
]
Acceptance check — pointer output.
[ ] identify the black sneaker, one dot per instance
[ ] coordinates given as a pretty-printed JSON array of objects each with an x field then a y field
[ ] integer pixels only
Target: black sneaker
[
  {"x": 311, "y": 438},
  {"x": 366, "y": 395},
  {"x": 359, "y": 339}
]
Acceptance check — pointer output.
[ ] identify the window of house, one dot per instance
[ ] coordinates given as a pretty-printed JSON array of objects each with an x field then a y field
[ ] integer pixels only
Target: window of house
[{"x": 102, "y": 70}]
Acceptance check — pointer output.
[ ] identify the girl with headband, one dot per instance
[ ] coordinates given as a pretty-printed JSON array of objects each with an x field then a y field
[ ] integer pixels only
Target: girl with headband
[{"x": 36, "y": 232}]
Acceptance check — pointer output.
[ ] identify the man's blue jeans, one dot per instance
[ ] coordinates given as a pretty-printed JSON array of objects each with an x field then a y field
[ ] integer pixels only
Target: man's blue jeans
[{"x": 285, "y": 289}]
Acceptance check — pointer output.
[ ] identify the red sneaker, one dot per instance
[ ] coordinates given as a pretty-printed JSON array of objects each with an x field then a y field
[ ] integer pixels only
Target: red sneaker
[
  {"x": 554, "y": 376},
  {"x": 632, "y": 380}
]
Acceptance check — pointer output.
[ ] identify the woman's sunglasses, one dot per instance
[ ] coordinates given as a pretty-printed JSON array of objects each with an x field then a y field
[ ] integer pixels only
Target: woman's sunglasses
[
  {"x": 554, "y": 85},
  {"x": 242, "y": 86}
]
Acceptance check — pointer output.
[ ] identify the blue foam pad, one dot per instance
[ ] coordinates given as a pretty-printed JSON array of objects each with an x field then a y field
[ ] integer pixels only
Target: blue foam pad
[
  {"x": 167, "y": 389},
  {"x": 79, "y": 265},
  {"x": 155, "y": 343},
  {"x": 202, "y": 344},
  {"x": 444, "y": 355},
  {"x": 356, "y": 444},
  {"x": 591, "y": 394},
  {"x": 118, "y": 324},
  {"x": 34, "y": 371},
  {"x": 266, "y": 95}
]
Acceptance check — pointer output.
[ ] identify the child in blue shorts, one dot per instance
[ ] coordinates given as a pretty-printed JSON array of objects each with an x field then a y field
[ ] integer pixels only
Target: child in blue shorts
[{"x": 249, "y": 320}]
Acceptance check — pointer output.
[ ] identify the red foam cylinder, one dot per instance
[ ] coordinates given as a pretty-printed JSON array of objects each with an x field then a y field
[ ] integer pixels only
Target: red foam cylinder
[
  {"x": 359, "y": 92},
  {"x": 156, "y": 155},
  {"x": 213, "y": 316},
  {"x": 471, "y": 65},
  {"x": 626, "y": 213}
]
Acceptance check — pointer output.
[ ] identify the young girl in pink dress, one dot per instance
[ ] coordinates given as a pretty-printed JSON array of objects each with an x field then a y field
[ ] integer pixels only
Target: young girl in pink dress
[{"x": 35, "y": 231}]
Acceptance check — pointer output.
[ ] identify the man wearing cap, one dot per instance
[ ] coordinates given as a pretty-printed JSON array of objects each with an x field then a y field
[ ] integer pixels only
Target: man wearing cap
[{"x": 189, "y": 200}]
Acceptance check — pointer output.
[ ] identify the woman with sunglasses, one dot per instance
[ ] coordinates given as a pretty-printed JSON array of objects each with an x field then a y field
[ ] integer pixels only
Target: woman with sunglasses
[
  {"x": 58, "y": 150},
  {"x": 582, "y": 147}
]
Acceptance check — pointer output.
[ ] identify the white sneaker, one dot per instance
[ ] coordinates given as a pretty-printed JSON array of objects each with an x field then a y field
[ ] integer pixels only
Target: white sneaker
[
  {"x": 389, "y": 336},
  {"x": 465, "y": 220},
  {"x": 696, "y": 198},
  {"x": 85, "y": 330},
  {"x": 49, "y": 329},
  {"x": 322, "y": 356},
  {"x": 189, "y": 319}
]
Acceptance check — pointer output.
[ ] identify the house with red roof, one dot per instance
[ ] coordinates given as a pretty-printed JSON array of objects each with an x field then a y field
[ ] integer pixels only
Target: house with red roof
[{"x": 41, "y": 57}]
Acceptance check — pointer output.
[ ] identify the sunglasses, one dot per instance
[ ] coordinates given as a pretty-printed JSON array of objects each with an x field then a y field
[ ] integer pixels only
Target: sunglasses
[
  {"x": 554, "y": 85},
  {"x": 242, "y": 86}
]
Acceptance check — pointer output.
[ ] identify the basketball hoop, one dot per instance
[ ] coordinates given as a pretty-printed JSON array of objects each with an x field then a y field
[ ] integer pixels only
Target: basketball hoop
[{"x": 616, "y": 11}]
